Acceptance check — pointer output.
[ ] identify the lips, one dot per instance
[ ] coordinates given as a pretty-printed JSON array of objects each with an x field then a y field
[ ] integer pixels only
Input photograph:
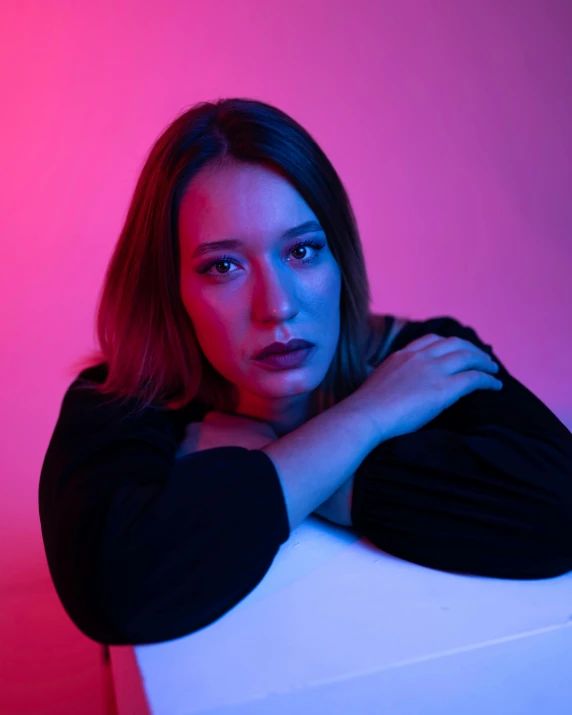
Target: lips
[{"x": 274, "y": 348}]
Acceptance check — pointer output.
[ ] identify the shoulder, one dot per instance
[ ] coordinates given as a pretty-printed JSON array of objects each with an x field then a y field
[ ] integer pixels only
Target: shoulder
[
  {"x": 95, "y": 374},
  {"x": 84, "y": 395},
  {"x": 444, "y": 325},
  {"x": 384, "y": 330},
  {"x": 401, "y": 331},
  {"x": 398, "y": 325}
]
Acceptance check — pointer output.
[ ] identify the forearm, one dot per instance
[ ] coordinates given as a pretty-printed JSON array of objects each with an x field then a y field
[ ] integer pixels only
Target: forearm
[
  {"x": 317, "y": 458},
  {"x": 338, "y": 507}
]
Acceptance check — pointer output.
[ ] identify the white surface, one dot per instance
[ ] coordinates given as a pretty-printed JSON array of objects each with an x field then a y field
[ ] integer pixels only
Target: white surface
[{"x": 338, "y": 626}]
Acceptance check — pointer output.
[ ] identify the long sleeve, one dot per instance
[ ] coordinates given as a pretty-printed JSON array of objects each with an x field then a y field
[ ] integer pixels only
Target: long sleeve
[
  {"x": 485, "y": 488},
  {"x": 143, "y": 547}
]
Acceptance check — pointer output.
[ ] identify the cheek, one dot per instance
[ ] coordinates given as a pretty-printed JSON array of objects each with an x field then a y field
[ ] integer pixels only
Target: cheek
[
  {"x": 207, "y": 315},
  {"x": 215, "y": 330},
  {"x": 326, "y": 295},
  {"x": 330, "y": 286}
]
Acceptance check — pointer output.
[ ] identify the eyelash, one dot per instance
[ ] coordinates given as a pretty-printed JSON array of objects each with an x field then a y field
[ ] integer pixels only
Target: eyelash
[{"x": 313, "y": 244}]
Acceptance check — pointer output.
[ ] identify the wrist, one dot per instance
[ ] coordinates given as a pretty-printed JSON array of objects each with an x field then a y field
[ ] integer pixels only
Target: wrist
[{"x": 367, "y": 417}]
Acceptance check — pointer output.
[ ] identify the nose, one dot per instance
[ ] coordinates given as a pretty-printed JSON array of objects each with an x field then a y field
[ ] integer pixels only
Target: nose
[{"x": 273, "y": 298}]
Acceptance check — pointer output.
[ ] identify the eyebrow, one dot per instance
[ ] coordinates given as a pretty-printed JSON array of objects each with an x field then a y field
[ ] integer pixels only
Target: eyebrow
[{"x": 230, "y": 243}]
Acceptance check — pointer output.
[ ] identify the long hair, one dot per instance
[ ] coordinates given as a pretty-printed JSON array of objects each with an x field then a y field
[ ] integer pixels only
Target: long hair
[{"x": 146, "y": 338}]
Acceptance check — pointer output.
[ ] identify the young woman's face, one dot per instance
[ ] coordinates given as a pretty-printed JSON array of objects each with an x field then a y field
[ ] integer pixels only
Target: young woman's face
[{"x": 264, "y": 290}]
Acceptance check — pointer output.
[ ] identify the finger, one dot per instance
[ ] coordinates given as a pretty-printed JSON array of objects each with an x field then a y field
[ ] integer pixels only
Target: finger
[
  {"x": 451, "y": 344},
  {"x": 422, "y": 342}
]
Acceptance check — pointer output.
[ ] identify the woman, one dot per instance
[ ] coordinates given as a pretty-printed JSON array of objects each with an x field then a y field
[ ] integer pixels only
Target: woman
[{"x": 182, "y": 459}]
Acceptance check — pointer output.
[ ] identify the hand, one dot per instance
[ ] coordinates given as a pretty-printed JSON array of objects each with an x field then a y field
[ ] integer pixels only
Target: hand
[
  {"x": 219, "y": 429},
  {"x": 414, "y": 385}
]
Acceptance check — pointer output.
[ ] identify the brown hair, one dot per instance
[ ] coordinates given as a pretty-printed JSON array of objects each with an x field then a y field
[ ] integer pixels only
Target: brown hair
[{"x": 146, "y": 338}]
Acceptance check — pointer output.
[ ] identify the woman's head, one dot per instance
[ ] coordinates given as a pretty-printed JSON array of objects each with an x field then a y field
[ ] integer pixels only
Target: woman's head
[
  {"x": 173, "y": 327},
  {"x": 240, "y": 298}
]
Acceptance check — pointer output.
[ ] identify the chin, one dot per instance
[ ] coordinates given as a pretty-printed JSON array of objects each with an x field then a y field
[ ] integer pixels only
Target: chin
[{"x": 277, "y": 385}]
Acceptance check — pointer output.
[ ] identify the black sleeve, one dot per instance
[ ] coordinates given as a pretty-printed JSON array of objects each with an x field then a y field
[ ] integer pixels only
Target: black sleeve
[
  {"x": 485, "y": 488},
  {"x": 143, "y": 547}
]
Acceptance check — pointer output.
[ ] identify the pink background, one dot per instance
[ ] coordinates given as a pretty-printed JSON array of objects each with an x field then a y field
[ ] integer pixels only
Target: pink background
[{"x": 448, "y": 122}]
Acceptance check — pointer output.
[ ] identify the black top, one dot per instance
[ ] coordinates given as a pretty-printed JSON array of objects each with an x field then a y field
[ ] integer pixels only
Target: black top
[{"x": 144, "y": 548}]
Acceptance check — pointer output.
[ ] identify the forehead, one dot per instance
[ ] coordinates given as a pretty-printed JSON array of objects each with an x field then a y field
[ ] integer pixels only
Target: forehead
[{"x": 239, "y": 197}]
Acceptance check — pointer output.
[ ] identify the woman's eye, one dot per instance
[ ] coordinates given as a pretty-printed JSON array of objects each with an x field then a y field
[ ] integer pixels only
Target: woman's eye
[{"x": 317, "y": 245}]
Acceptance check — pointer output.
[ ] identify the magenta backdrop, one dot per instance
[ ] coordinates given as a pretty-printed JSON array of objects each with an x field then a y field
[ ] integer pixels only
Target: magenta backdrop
[{"x": 449, "y": 123}]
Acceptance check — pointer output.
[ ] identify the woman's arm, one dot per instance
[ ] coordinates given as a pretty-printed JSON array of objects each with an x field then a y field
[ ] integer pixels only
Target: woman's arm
[
  {"x": 220, "y": 430},
  {"x": 338, "y": 508}
]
